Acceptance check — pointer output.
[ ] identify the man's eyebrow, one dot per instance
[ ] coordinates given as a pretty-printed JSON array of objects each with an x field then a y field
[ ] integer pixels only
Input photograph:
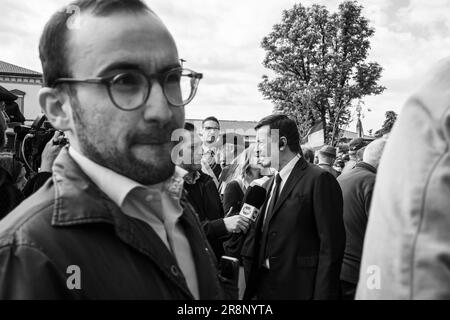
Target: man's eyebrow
[
  {"x": 134, "y": 66},
  {"x": 168, "y": 67},
  {"x": 120, "y": 66}
]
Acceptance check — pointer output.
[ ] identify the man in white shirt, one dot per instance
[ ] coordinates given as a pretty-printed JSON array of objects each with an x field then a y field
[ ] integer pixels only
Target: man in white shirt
[
  {"x": 211, "y": 148},
  {"x": 114, "y": 212}
]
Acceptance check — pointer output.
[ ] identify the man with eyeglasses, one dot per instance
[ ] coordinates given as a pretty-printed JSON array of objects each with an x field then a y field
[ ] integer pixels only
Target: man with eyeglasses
[
  {"x": 211, "y": 148},
  {"x": 113, "y": 222}
]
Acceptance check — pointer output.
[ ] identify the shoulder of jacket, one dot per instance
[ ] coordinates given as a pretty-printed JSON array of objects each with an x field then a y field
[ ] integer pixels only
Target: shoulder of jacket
[{"x": 31, "y": 216}]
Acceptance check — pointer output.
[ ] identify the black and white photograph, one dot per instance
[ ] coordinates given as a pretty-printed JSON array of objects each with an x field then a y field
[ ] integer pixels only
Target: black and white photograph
[{"x": 250, "y": 152}]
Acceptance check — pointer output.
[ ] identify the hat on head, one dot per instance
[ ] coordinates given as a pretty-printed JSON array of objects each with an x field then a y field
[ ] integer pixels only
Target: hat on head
[
  {"x": 328, "y": 151},
  {"x": 356, "y": 144}
]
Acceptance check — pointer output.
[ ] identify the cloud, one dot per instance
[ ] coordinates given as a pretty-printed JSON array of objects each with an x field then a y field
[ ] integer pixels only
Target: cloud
[{"x": 222, "y": 40}]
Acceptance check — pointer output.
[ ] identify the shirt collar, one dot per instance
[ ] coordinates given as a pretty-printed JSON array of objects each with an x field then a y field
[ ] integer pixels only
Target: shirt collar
[
  {"x": 324, "y": 164},
  {"x": 117, "y": 186},
  {"x": 287, "y": 169}
]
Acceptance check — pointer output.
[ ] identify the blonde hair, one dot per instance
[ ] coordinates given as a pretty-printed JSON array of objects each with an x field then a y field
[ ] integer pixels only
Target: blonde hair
[{"x": 240, "y": 164}]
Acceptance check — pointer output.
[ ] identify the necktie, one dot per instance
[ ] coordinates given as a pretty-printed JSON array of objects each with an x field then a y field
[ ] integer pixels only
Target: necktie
[
  {"x": 269, "y": 212},
  {"x": 274, "y": 198}
]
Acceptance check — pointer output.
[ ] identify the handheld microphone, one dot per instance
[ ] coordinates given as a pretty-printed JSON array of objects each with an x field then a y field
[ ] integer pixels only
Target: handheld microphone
[{"x": 253, "y": 201}]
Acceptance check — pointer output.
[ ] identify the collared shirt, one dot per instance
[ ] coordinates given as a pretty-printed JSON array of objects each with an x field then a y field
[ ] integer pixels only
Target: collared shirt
[
  {"x": 157, "y": 205},
  {"x": 284, "y": 173}
]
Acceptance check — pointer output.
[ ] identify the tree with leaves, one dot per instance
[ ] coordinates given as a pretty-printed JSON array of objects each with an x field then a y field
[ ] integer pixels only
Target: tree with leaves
[
  {"x": 388, "y": 124},
  {"x": 319, "y": 64}
]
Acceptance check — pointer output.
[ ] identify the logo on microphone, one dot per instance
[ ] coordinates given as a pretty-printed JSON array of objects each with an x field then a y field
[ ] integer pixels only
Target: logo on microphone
[{"x": 249, "y": 211}]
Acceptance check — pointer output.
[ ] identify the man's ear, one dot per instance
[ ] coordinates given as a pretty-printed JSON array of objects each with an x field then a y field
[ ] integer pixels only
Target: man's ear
[
  {"x": 56, "y": 106},
  {"x": 283, "y": 143}
]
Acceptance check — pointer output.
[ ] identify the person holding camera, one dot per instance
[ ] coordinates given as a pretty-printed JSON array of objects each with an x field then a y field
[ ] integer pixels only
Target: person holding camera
[
  {"x": 51, "y": 150},
  {"x": 14, "y": 188},
  {"x": 10, "y": 195}
]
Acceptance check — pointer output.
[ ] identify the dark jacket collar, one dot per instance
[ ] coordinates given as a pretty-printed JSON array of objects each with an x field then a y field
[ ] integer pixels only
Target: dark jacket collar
[{"x": 77, "y": 198}]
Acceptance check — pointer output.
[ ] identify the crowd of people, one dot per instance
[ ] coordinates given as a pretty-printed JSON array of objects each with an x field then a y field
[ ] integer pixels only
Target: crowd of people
[{"x": 367, "y": 220}]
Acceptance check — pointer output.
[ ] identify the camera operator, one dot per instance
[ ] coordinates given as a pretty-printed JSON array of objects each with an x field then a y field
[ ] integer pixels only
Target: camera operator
[
  {"x": 10, "y": 195},
  {"x": 12, "y": 172},
  {"x": 49, "y": 154}
]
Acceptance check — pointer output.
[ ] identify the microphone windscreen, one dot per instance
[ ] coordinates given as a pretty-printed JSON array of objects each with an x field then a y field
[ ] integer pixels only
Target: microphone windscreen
[{"x": 255, "y": 196}]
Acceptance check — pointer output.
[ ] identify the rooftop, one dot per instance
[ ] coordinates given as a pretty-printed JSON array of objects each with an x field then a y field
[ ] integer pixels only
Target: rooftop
[
  {"x": 229, "y": 125},
  {"x": 13, "y": 70}
]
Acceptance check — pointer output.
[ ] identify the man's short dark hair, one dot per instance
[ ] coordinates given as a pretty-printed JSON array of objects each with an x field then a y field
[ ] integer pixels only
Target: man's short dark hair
[
  {"x": 211, "y": 119},
  {"x": 189, "y": 126},
  {"x": 287, "y": 128},
  {"x": 53, "y": 43}
]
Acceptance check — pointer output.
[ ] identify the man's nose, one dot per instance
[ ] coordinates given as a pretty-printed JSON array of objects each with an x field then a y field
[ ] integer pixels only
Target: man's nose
[{"x": 157, "y": 108}]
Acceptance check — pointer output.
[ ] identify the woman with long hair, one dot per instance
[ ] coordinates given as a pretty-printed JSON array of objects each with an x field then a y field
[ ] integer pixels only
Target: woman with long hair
[{"x": 245, "y": 171}]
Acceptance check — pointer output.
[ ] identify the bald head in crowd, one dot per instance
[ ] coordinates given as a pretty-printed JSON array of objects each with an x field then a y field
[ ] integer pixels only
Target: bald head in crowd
[{"x": 374, "y": 151}]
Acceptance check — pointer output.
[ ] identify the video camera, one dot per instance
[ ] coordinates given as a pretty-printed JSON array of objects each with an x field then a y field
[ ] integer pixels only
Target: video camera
[{"x": 30, "y": 142}]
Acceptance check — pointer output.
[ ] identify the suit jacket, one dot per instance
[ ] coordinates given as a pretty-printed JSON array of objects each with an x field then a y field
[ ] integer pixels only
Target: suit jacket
[
  {"x": 204, "y": 197},
  {"x": 305, "y": 238}
]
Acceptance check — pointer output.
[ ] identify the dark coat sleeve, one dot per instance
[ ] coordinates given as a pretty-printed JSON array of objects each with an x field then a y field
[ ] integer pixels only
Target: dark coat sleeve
[
  {"x": 212, "y": 217},
  {"x": 232, "y": 197},
  {"x": 368, "y": 191},
  {"x": 23, "y": 270},
  {"x": 328, "y": 210}
]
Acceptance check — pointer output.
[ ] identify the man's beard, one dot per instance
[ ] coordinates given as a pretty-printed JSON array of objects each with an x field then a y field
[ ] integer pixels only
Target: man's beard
[{"x": 104, "y": 151}]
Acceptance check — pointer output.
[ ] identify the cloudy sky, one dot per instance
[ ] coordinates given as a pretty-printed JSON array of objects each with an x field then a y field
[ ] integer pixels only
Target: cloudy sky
[{"x": 221, "y": 39}]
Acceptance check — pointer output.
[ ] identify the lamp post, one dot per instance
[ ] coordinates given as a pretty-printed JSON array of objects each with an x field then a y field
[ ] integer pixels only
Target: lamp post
[
  {"x": 358, "y": 109},
  {"x": 359, "y": 128}
]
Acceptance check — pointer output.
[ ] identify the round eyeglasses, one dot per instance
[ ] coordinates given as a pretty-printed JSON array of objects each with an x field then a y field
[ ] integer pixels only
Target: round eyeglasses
[{"x": 130, "y": 90}]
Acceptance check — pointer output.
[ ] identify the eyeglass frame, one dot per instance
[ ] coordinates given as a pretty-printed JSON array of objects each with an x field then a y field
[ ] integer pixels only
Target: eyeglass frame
[
  {"x": 161, "y": 77},
  {"x": 211, "y": 128}
]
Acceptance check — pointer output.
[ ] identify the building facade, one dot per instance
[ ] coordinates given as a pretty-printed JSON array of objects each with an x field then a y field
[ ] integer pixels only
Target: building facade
[
  {"x": 241, "y": 129},
  {"x": 25, "y": 84}
]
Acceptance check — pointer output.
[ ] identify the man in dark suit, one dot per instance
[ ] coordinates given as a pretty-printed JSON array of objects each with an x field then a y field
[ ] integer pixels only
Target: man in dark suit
[
  {"x": 294, "y": 250},
  {"x": 204, "y": 196}
]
